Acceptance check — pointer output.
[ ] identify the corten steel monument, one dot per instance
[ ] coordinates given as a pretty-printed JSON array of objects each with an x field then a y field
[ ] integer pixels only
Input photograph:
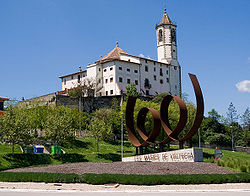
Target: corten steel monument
[{"x": 162, "y": 119}]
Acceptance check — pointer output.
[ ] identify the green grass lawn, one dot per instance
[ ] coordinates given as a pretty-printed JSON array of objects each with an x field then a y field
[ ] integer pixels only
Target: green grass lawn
[
  {"x": 237, "y": 161},
  {"x": 108, "y": 151},
  {"x": 5, "y": 149}
]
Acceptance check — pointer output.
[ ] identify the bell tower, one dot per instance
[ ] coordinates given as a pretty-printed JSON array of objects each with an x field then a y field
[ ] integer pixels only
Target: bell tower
[{"x": 166, "y": 40}]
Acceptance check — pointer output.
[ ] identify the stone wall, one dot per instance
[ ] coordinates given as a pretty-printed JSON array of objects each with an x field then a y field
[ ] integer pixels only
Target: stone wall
[{"x": 87, "y": 104}]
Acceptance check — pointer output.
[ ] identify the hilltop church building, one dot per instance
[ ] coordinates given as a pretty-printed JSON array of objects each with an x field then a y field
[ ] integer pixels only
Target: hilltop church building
[{"x": 111, "y": 74}]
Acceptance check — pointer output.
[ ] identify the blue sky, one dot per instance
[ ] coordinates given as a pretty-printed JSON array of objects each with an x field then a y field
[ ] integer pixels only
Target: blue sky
[{"x": 41, "y": 40}]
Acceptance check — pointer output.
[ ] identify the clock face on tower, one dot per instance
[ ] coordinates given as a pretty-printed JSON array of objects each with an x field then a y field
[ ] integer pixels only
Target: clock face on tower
[{"x": 173, "y": 35}]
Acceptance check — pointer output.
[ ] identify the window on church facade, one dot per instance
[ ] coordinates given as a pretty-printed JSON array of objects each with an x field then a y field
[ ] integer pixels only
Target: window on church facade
[
  {"x": 128, "y": 70},
  {"x": 154, "y": 69},
  {"x": 161, "y": 74},
  {"x": 146, "y": 61},
  {"x": 120, "y": 68},
  {"x": 136, "y": 71},
  {"x": 111, "y": 92},
  {"x": 79, "y": 77},
  {"x": 161, "y": 81},
  {"x": 105, "y": 70},
  {"x": 111, "y": 80},
  {"x": 106, "y": 81},
  {"x": 120, "y": 79},
  {"x": 146, "y": 68},
  {"x": 107, "y": 93},
  {"x": 136, "y": 82},
  {"x": 128, "y": 81},
  {"x": 154, "y": 77},
  {"x": 167, "y": 72},
  {"x": 111, "y": 68},
  {"x": 167, "y": 80},
  {"x": 160, "y": 35}
]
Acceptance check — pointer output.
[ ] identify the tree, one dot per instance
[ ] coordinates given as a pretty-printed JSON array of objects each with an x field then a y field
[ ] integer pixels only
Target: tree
[
  {"x": 245, "y": 118},
  {"x": 214, "y": 115},
  {"x": 231, "y": 114},
  {"x": 232, "y": 118},
  {"x": 100, "y": 127},
  {"x": 15, "y": 126},
  {"x": 60, "y": 125},
  {"x": 131, "y": 90}
]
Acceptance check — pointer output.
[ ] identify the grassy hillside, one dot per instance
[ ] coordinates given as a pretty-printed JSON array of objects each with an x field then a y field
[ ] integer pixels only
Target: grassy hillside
[
  {"x": 237, "y": 161},
  {"x": 84, "y": 150},
  {"x": 5, "y": 149}
]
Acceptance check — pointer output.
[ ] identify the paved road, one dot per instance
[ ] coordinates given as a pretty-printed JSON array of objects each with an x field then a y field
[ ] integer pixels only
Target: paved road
[{"x": 81, "y": 193}]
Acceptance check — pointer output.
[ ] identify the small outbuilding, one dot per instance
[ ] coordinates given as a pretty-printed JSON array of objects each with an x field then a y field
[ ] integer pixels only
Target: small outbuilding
[{"x": 2, "y": 100}]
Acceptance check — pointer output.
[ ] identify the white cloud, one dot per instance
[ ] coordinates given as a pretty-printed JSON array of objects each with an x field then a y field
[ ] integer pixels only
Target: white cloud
[
  {"x": 243, "y": 86},
  {"x": 143, "y": 56}
]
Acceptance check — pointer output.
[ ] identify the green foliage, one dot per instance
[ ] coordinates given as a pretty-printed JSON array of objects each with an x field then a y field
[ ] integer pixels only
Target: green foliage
[
  {"x": 40, "y": 177},
  {"x": 60, "y": 125},
  {"x": 75, "y": 93},
  {"x": 16, "y": 126},
  {"x": 131, "y": 90},
  {"x": 100, "y": 127},
  {"x": 166, "y": 179},
  {"x": 125, "y": 179},
  {"x": 158, "y": 98},
  {"x": 70, "y": 158},
  {"x": 232, "y": 115},
  {"x": 9, "y": 161},
  {"x": 219, "y": 139}
]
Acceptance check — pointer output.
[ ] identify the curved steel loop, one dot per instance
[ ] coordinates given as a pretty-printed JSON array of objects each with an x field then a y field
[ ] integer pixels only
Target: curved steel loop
[
  {"x": 141, "y": 124},
  {"x": 164, "y": 116},
  {"x": 130, "y": 123},
  {"x": 199, "y": 108}
]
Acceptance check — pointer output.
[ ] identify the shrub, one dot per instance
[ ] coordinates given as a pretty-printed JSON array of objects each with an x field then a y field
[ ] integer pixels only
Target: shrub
[{"x": 243, "y": 168}]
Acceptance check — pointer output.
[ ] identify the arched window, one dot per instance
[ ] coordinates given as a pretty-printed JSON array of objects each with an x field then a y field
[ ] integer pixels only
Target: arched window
[{"x": 160, "y": 35}]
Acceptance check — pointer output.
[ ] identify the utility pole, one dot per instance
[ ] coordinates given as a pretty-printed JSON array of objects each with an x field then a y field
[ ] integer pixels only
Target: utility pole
[
  {"x": 231, "y": 127},
  {"x": 199, "y": 134},
  {"x": 121, "y": 135}
]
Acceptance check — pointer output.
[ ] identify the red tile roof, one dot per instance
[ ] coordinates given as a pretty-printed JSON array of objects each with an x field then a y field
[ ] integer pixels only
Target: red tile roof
[
  {"x": 3, "y": 98},
  {"x": 114, "y": 54},
  {"x": 165, "y": 19}
]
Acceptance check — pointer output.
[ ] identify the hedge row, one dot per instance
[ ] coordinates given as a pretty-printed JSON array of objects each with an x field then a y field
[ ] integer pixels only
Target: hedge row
[
  {"x": 125, "y": 179},
  {"x": 11, "y": 161}
]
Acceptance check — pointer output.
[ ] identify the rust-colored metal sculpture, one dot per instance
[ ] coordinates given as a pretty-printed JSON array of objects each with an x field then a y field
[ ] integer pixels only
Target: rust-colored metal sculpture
[{"x": 161, "y": 120}]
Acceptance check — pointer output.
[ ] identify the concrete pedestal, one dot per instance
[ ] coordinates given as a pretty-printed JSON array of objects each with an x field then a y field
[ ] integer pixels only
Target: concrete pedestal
[{"x": 184, "y": 155}]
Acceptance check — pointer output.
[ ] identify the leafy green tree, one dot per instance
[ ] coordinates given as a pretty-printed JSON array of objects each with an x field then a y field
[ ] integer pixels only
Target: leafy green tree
[
  {"x": 60, "y": 125},
  {"x": 158, "y": 98},
  {"x": 15, "y": 126},
  {"x": 100, "y": 127},
  {"x": 131, "y": 90},
  {"x": 245, "y": 118},
  {"x": 232, "y": 115},
  {"x": 214, "y": 115}
]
